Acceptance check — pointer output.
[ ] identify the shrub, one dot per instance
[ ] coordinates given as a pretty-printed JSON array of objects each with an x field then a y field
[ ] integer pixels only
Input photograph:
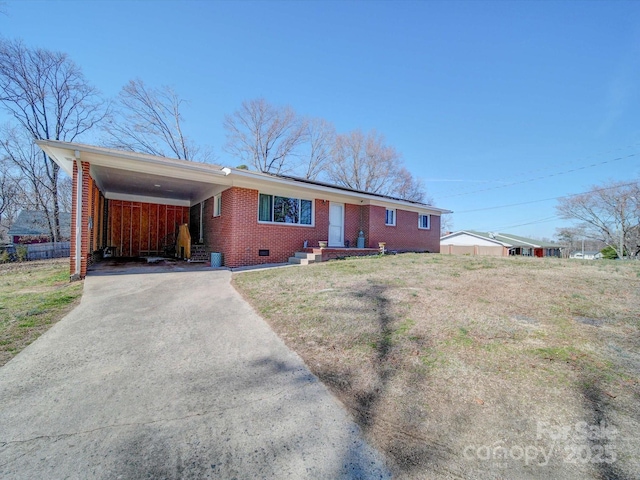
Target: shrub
[
  {"x": 609, "y": 253},
  {"x": 21, "y": 253}
]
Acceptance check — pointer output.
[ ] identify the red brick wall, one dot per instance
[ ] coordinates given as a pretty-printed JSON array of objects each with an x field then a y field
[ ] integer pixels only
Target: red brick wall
[
  {"x": 405, "y": 235},
  {"x": 354, "y": 221},
  {"x": 87, "y": 186},
  {"x": 237, "y": 234}
]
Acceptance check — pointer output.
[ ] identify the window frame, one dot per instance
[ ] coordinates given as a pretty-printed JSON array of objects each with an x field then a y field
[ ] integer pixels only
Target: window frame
[
  {"x": 420, "y": 217},
  {"x": 217, "y": 205},
  {"x": 386, "y": 217},
  {"x": 299, "y": 210}
]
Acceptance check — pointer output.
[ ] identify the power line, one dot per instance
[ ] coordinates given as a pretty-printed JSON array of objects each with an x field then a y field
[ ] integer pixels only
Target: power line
[
  {"x": 544, "y": 199},
  {"x": 583, "y": 167},
  {"x": 534, "y": 222},
  {"x": 569, "y": 162}
]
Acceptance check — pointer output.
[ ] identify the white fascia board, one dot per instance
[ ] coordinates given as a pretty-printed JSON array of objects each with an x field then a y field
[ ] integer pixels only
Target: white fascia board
[
  {"x": 64, "y": 158},
  {"x": 268, "y": 184},
  {"x": 146, "y": 199},
  {"x": 182, "y": 172},
  {"x": 136, "y": 162}
]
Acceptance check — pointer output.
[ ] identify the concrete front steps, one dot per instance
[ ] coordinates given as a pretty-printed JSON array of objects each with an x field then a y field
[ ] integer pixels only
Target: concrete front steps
[{"x": 304, "y": 258}]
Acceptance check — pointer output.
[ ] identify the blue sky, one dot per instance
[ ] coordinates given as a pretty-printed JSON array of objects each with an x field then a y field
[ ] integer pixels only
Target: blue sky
[{"x": 479, "y": 97}]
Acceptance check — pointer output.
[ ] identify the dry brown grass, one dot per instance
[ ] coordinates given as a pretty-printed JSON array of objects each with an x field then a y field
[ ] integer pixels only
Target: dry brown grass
[
  {"x": 440, "y": 358},
  {"x": 33, "y": 296}
]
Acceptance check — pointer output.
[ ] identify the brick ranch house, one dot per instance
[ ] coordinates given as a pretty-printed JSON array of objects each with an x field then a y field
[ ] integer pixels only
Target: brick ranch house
[{"x": 130, "y": 202}]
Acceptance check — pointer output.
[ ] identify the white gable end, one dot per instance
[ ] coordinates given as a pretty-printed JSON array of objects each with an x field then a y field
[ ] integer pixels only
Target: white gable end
[{"x": 464, "y": 239}]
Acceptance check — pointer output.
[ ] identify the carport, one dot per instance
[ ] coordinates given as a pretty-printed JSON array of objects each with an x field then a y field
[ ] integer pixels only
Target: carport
[{"x": 130, "y": 202}]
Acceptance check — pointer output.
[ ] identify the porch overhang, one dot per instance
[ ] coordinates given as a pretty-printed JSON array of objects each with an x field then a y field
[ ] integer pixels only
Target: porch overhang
[{"x": 139, "y": 177}]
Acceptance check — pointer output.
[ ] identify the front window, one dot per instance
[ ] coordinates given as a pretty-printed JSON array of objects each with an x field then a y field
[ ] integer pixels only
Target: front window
[
  {"x": 424, "y": 221},
  {"x": 272, "y": 208},
  {"x": 391, "y": 217}
]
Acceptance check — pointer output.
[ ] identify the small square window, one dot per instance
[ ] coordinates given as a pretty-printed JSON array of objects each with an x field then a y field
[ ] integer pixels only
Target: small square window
[
  {"x": 391, "y": 217},
  {"x": 424, "y": 222},
  {"x": 217, "y": 205}
]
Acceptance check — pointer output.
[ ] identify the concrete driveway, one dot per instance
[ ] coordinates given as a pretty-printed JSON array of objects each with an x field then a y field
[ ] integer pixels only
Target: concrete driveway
[{"x": 171, "y": 375}]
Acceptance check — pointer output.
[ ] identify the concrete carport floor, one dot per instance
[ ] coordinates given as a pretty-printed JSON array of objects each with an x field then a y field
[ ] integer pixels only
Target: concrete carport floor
[{"x": 171, "y": 375}]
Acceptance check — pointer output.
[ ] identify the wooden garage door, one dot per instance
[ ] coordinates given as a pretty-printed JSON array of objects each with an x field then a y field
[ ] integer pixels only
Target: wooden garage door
[{"x": 137, "y": 227}]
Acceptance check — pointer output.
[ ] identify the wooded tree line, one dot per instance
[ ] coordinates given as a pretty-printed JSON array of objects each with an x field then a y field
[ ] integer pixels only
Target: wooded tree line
[{"x": 47, "y": 96}]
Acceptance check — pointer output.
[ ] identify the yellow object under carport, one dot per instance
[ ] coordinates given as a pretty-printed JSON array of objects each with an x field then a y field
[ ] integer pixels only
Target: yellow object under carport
[{"x": 183, "y": 243}]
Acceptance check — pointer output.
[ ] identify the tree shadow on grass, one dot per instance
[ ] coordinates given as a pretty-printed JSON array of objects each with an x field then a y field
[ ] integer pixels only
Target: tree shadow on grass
[
  {"x": 397, "y": 437},
  {"x": 598, "y": 408}
]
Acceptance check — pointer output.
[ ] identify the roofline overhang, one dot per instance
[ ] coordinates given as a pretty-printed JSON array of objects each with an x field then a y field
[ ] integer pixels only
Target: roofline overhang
[
  {"x": 247, "y": 178},
  {"x": 66, "y": 153}
]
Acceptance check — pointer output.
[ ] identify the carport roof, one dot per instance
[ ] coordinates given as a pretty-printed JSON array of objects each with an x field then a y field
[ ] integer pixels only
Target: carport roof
[
  {"x": 123, "y": 175},
  {"x": 129, "y": 175}
]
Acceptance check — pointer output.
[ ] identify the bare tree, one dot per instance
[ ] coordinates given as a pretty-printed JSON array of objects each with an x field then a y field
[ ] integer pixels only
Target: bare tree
[
  {"x": 47, "y": 95},
  {"x": 320, "y": 136},
  {"x": 366, "y": 163},
  {"x": 609, "y": 213},
  {"x": 9, "y": 197},
  {"x": 149, "y": 120},
  {"x": 265, "y": 136},
  {"x": 33, "y": 190},
  {"x": 446, "y": 224}
]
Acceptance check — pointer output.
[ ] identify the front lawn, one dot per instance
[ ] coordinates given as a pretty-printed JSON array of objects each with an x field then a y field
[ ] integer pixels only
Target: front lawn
[
  {"x": 33, "y": 296},
  {"x": 472, "y": 367}
]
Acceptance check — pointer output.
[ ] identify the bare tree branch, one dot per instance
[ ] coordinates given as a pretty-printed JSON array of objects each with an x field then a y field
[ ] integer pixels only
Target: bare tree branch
[
  {"x": 365, "y": 162},
  {"x": 610, "y": 214},
  {"x": 320, "y": 136},
  {"x": 47, "y": 95},
  {"x": 265, "y": 136},
  {"x": 149, "y": 120}
]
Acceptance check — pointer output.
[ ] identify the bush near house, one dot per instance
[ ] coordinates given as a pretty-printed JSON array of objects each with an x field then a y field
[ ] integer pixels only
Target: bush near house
[{"x": 455, "y": 366}]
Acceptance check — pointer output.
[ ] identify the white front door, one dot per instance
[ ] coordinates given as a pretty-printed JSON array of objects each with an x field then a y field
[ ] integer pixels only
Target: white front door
[{"x": 336, "y": 224}]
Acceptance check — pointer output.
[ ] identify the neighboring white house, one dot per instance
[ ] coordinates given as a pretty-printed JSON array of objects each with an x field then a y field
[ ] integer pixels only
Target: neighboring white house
[
  {"x": 470, "y": 242},
  {"x": 586, "y": 255}
]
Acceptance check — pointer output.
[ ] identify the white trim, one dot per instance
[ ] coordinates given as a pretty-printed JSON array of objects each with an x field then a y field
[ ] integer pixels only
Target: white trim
[
  {"x": 395, "y": 213},
  {"x": 248, "y": 179},
  {"x": 272, "y": 195},
  {"x": 145, "y": 199},
  {"x": 217, "y": 205},
  {"x": 63, "y": 153},
  {"x": 428, "y": 227},
  {"x": 341, "y": 243},
  {"x": 78, "y": 242}
]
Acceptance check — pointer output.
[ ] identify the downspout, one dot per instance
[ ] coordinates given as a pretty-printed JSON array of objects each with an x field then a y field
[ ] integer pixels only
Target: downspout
[{"x": 78, "y": 243}]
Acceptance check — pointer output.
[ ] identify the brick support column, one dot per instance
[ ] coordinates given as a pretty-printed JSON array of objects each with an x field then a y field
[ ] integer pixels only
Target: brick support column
[{"x": 86, "y": 205}]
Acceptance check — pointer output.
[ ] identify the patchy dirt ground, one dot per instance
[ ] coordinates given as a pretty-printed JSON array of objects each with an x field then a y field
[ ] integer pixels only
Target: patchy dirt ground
[
  {"x": 33, "y": 296},
  {"x": 463, "y": 367}
]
